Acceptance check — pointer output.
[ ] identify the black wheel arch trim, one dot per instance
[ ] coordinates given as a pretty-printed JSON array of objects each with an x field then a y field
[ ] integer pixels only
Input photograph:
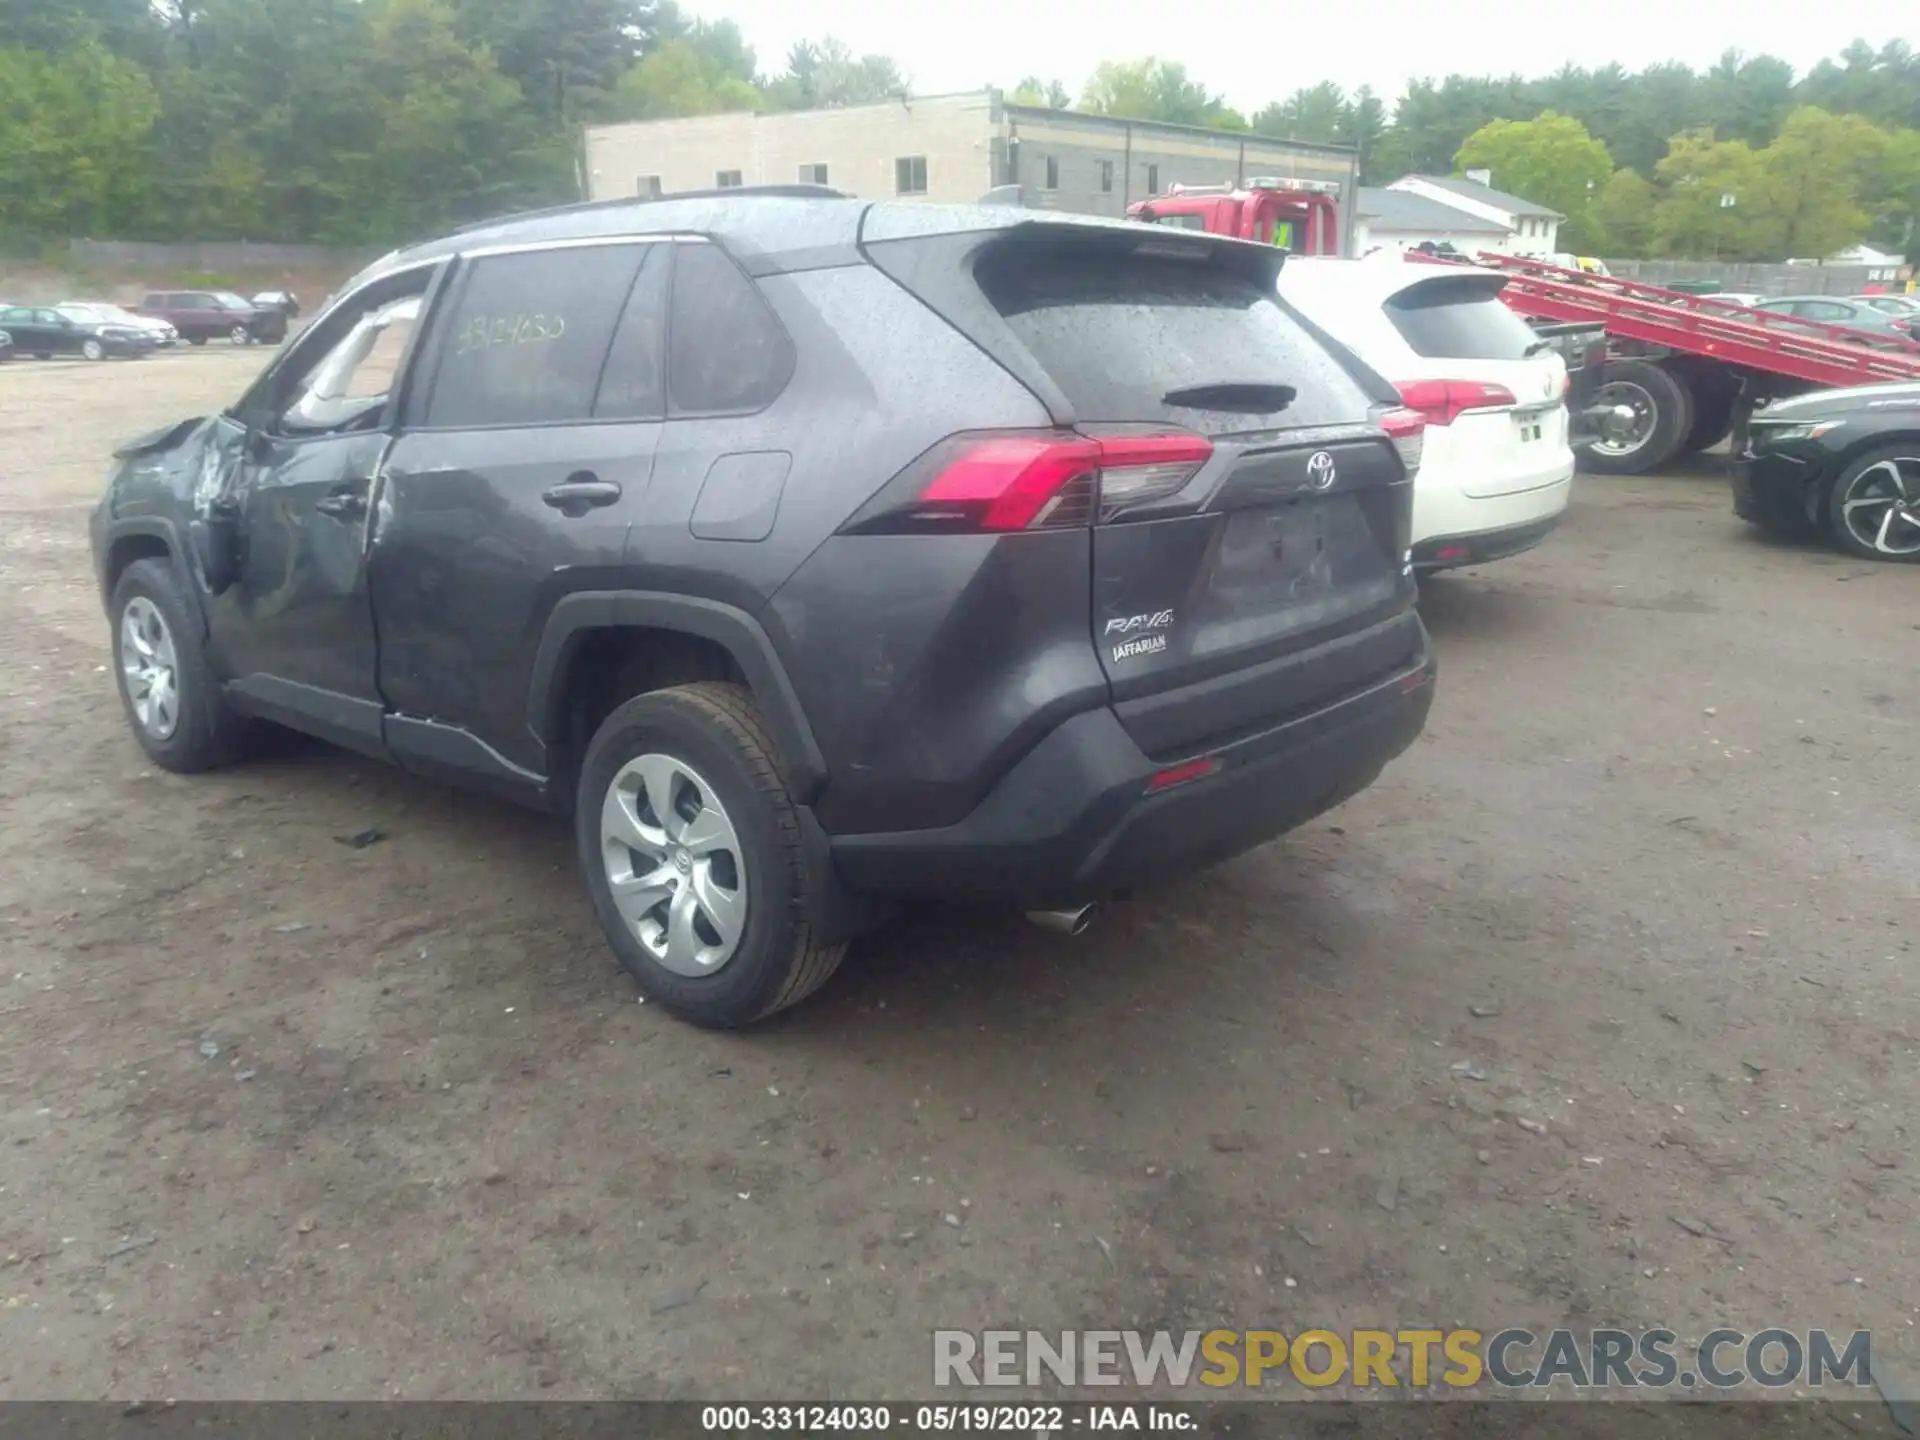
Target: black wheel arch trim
[
  {"x": 153, "y": 527},
  {"x": 734, "y": 629}
]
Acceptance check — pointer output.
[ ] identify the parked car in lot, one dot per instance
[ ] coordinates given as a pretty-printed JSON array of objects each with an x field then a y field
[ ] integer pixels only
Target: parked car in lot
[
  {"x": 1841, "y": 462},
  {"x": 203, "y": 315},
  {"x": 97, "y": 312},
  {"x": 1496, "y": 466},
  {"x": 947, "y": 551},
  {"x": 284, "y": 301},
  {"x": 1895, "y": 305},
  {"x": 43, "y": 332},
  {"x": 1856, "y": 314}
]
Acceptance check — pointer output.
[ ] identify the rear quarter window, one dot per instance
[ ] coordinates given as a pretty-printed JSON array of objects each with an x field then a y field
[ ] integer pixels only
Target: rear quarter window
[
  {"x": 1117, "y": 330},
  {"x": 727, "y": 352},
  {"x": 1459, "y": 318}
]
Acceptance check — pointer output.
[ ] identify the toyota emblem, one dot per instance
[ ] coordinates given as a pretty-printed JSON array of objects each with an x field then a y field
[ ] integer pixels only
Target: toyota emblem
[{"x": 1320, "y": 471}]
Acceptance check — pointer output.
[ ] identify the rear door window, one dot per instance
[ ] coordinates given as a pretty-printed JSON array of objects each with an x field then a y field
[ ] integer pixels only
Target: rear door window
[
  {"x": 528, "y": 334},
  {"x": 1459, "y": 318},
  {"x": 1120, "y": 330}
]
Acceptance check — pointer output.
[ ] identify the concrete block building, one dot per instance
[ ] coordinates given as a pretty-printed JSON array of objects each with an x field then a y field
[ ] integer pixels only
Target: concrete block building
[{"x": 950, "y": 148}]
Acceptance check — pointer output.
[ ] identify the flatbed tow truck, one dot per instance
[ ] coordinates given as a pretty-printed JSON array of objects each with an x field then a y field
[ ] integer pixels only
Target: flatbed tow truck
[
  {"x": 1655, "y": 373},
  {"x": 1682, "y": 372}
]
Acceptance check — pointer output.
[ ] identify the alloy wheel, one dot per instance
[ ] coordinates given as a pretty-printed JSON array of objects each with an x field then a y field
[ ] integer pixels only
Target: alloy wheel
[
  {"x": 238, "y": 334},
  {"x": 1882, "y": 506},
  {"x": 93, "y": 350},
  {"x": 152, "y": 673},
  {"x": 673, "y": 864}
]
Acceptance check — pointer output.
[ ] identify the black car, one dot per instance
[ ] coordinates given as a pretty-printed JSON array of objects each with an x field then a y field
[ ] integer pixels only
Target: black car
[
  {"x": 813, "y": 554},
  {"x": 43, "y": 333},
  {"x": 1843, "y": 462}
]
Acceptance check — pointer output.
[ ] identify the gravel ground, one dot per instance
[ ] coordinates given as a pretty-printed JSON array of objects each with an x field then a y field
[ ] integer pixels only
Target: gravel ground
[{"x": 1646, "y": 885}]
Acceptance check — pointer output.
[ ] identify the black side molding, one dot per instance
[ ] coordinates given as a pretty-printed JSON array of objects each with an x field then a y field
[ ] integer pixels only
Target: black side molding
[
  {"x": 740, "y": 634},
  {"x": 447, "y": 752},
  {"x": 344, "y": 720}
]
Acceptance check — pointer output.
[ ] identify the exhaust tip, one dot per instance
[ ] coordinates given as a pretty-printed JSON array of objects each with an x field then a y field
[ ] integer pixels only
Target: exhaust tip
[{"x": 1063, "y": 922}]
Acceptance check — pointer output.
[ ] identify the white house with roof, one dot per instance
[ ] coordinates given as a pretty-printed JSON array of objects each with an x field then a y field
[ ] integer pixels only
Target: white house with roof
[
  {"x": 1519, "y": 227},
  {"x": 1399, "y": 220}
]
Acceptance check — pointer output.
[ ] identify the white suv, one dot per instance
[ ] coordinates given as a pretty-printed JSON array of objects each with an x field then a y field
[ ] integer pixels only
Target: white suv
[{"x": 1497, "y": 469}]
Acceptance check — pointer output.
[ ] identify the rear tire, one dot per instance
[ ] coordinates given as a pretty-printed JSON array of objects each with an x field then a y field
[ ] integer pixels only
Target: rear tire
[
  {"x": 196, "y": 339},
  {"x": 681, "y": 803},
  {"x": 1663, "y": 407},
  {"x": 156, "y": 633}
]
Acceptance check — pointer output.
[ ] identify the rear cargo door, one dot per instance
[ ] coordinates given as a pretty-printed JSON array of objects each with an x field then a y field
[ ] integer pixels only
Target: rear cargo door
[
  {"x": 1290, "y": 533},
  {"x": 1512, "y": 435}
]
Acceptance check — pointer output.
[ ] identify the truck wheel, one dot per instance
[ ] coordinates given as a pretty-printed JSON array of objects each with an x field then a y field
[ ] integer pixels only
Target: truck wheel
[
  {"x": 1715, "y": 393},
  {"x": 1661, "y": 408},
  {"x": 693, "y": 857},
  {"x": 1874, "y": 507}
]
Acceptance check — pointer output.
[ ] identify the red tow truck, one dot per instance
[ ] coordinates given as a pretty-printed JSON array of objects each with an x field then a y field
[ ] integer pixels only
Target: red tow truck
[
  {"x": 1303, "y": 216},
  {"x": 1677, "y": 373},
  {"x": 1683, "y": 371}
]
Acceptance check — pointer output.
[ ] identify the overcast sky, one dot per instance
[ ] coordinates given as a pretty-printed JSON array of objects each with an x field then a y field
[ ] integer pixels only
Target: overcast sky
[{"x": 1259, "y": 50}]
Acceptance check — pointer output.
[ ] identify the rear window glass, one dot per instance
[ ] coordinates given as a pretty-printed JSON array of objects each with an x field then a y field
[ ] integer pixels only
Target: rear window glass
[
  {"x": 1459, "y": 320},
  {"x": 1119, "y": 330}
]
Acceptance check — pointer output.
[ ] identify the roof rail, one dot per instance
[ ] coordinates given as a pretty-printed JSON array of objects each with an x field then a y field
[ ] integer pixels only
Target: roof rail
[{"x": 790, "y": 192}]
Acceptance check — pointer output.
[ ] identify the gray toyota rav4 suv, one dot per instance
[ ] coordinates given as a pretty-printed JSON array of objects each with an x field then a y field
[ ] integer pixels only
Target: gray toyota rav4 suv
[{"x": 811, "y": 554}]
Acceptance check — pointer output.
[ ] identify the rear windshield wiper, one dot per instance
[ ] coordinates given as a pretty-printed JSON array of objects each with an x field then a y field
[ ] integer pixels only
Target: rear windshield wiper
[
  {"x": 1538, "y": 347},
  {"x": 1245, "y": 397}
]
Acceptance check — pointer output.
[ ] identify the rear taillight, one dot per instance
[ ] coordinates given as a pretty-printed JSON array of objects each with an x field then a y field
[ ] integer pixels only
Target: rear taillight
[
  {"x": 1407, "y": 429},
  {"x": 1030, "y": 480},
  {"x": 1444, "y": 401}
]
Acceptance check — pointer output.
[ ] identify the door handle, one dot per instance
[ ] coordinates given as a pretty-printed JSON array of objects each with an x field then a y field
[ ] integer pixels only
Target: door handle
[
  {"x": 342, "y": 505},
  {"x": 579, "y": 491}
]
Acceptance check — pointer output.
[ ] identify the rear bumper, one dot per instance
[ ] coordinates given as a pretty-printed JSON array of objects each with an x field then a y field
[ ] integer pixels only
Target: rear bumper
[
  {"x": 1449, "y": 552},
  {"x": 1452, "y": 529},
  {"x": 1073, "y": 821}
]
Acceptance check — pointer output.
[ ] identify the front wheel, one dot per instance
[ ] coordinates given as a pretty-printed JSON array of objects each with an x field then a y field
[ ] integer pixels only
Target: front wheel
[
  {"x": 1874, "y": 508},
  {"x": 693, "y": 857},
  {"x": 240, "y": 335},
  {"x": 172, "y": 701},
  {"x": 196, "y": 339},
  {"x": 92, "y": 350}
]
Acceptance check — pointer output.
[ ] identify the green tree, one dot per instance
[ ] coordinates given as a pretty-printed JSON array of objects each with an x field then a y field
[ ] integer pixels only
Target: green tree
[
  {"x": 1155, "y": 89},
  {"x": 1316, "y": 114},
  {"x": 1362, "y": 126},
  {"x": 1816, "y": 170},
  {"x": 1715, "y": 200},
  {"x": 74, "y": 141},
  {"x": 1551, "y": 161},
  {"x": 1893, "y": 193},
  {"x": 827, "y": 72},
  {"x": 676, "y": 79},
  {"x": 1623, "y": 212},
  {"x": 456, "y": 142},
  {"x": 1034, "y": 91}
]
